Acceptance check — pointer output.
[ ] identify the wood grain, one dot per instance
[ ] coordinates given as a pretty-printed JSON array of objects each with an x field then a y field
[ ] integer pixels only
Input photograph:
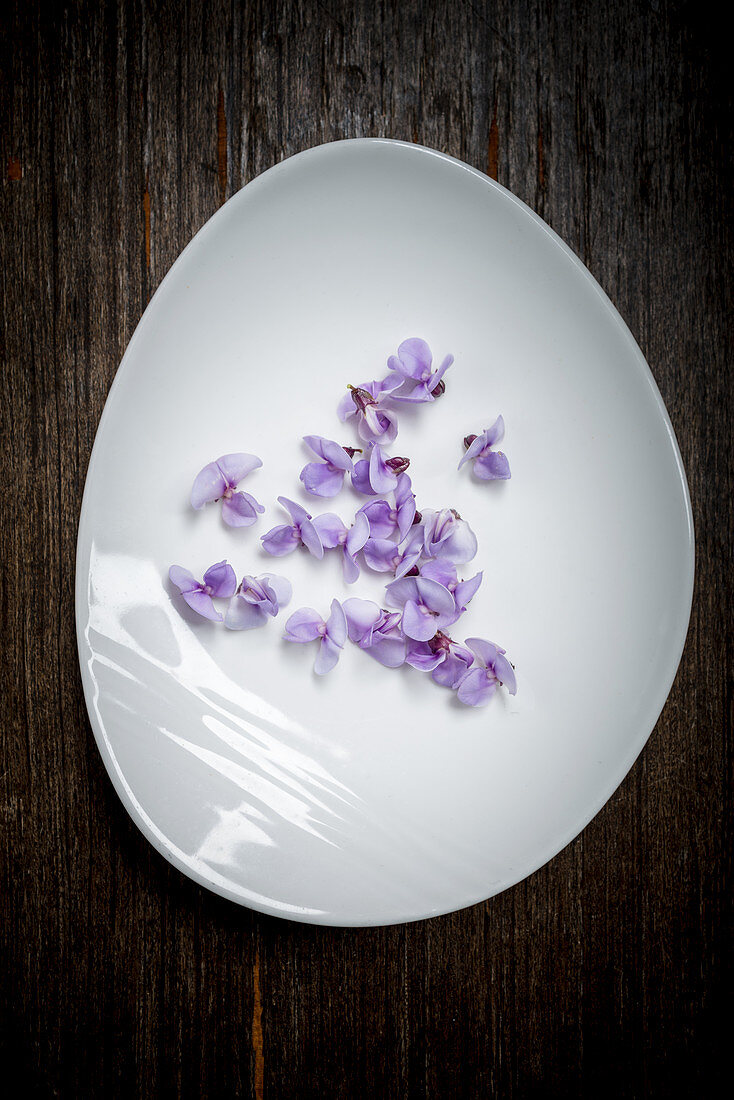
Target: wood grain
[{"x": 124, "y": 126}]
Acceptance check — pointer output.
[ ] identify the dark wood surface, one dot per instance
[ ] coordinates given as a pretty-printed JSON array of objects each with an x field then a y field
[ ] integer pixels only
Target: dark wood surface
[{"x": 124, "y": 127}]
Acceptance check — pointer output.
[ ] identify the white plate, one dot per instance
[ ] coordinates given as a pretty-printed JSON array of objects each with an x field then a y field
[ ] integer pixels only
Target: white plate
[{"x": 370, "y": 796}]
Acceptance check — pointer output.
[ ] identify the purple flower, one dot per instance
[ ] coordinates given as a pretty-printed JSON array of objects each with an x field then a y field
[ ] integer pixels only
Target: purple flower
[
  {"x": 219, "y": 581},
  {"x": 257, "y": 599},
  {"x": 325, "y": 478},
  {"x": 427, "y": 606},
  {"x": 219, "y": 480},
  {"x": 490, "y": 669},
  {"x": 306, "y": 625},
  {"x": 380, "y": 473},
  {"x": 489, "y": 465},
  {"x": 284, "y": 540},
  {"x": 414, "y": 363},
  {"x": 386, "y": 518},
  {"x": 445, "y": 573},
  {"x": 376, "y": 631},
  {"x": 446, "y": 535},
  {"x": 446, "y": 660},
  {"x": 333, "y": 533},
  {"x": 387, "y": 557},
  {"x": 374, "y": 422}
]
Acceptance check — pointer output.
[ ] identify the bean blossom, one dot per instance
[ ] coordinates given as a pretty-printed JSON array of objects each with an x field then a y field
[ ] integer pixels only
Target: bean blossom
[
  {"x": 414, "y": 362},
  {"x": 287, "y": 537},
  {"x": 333, "y": 533},
  {"x": 326, "y": 478},
  {"x": 376, "y": 631},
  {"x": 219, "y": 480},
  {"x": 257, "y": 599},
  {"x": 219, "y": 582},
  {"x": 489, "y": 465},
  {"x": 306, "y": 625},
  {"x": 489, "y": 671}
]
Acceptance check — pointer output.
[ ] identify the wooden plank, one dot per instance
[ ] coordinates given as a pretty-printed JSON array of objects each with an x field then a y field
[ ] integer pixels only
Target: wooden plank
[{"x": 125, "y": 123}]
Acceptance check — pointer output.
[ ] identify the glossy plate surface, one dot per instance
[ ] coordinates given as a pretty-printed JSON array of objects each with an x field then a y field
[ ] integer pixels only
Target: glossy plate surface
[{"x": 370, "y": 796}]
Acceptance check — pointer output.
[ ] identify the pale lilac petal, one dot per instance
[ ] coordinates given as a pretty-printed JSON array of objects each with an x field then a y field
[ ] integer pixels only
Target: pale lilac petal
[
  {"x": 420, "y": 655},
  {"x": 487, "y": 652},
  {"x": 281, "y": 540},
  {"x": 390, "y": 382},
  {"x": 237, "y": 466},
  {"x": 442, "y": 571},
  {"x": 221, "y": 579},
  {"x": 405, "y": 504},
  {"x": 413, "y": 360},
  {"x": 311, "y": 540},
  {"x": 418, "y": 394},
  {"x": 438, "y": 375},
  {"x": 378, "y": 424},
  {"x": 474, "y": 449},
  {"x": 336, "y": 624},
  {"x": 466, "y": 590},
  {"x": 297, "y": 512},
  {"x": 184, "y": 580},
  {"x": 350, "y": 567},
  {"x": 303, "y": 625},
  {"x": 399, "y": 592},
  {"x": 316, "y": 444},
  {"x": 241, "y": 510},
  {"x": 381, "y": 555},
  {"x": 209, "y": 484},
  {"x": 329, "y": 529},
  {"x": 320, "y": 480},
  {"x": 409, "y": 560},
  {"x": 201, "y": 603},
  {"x": 389, "y": 650},
  {"x": 493, "y": 466},
  {"x": 280, "y": 587},
  {"x": 361, "y": 616},
  {"x": 242, "y": 615},
  {"x": 460, "y": 546},
  {"x": 452, "y": 670},
  {"x": 476, "y": 688},
  {"x": 361, "y": 478},
  {"x": 381, "y": 516},
  {"x": 435, "y": 596},
  {"x": 327, "y": 656},
  {"x": 417, "y": 623},
  {"x": 346, "y": 407},
  {"x": 334, "y": 454},
  {"x": 505, "y": 673},
  {"x": 496, "y": 433},
  {"x": 382, "y": 479},
  {"x": 358, "y": 534}
]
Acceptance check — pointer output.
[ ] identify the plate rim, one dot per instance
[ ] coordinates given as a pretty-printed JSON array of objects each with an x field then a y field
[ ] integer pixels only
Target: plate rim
[{"x": 655, "y": 709}]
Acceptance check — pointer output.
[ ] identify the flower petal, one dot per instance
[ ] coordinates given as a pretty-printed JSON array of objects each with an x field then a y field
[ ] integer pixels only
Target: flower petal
[
  {"x": 336, "y": 624},
  {"x": 435, "y": 596},
  {"x": 420, "y": 655},
  {"x": 280, "y": 540},
  {"x": 184, "y": 580},
  {"x": 240, "y": 510},
  {"x": 476, "y": 688},
  {"x": 361, "y": 616},
  {"x": 201, "y": 603},
  {"x": 303, "y": 625},
  {"x": 221, "y": 579},
  {"x": 466, "y": 590},
  {"x": 329, "y": 528},
  {"x": 451, "y": 671},
  {"x": 280, "y": 586},
  {"x": 361, "y": 478},
  {"x": 416, "y": 623},
  {"x": 397, "y": 593},
  {"x": 311, "y": 540},
  {"x": 493, "y": 466},
  {"x": 460, "y": 546},
  {"x": 358, "y": 534},
  {"x": 414, "y": 359},
  {"x": 474, "y": 449},
  {"x": 487, "y": 652},
  {"x": 237, "y": 466},
  {"x": 496, "y": 433},
  {"x": 346, "y": 407},
  {"x": 209, "y": 484},
  {"x": 242, "y": 615},
  {"x": 350, "y": 567},
  {"x": 380, "y": 554},
  {"x": 320, "y": 480},
  {"x": 389, "y": 650},
  {"x": 297, "y": 512},
  {"x": 505, "y": 673},
  {"x": 379, "y": 514},
  {"x": 327, "y": 656},
  {"x": 382, "y": 479}
]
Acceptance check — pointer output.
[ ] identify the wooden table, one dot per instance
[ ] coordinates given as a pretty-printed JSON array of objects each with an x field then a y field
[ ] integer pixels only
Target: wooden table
[{"x": 124, "y": 126}]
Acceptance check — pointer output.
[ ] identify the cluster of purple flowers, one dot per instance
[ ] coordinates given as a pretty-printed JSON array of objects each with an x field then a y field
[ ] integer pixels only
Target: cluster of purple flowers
[{"x": 420, "y": 551}]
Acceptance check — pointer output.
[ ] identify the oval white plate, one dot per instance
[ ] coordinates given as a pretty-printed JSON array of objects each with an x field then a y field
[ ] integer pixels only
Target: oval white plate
[{"x": 371, "y": 796}]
